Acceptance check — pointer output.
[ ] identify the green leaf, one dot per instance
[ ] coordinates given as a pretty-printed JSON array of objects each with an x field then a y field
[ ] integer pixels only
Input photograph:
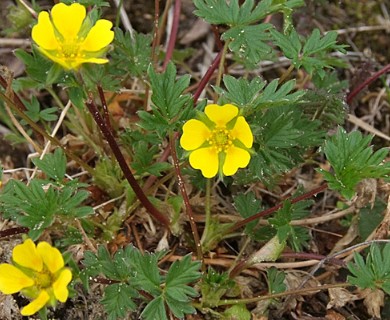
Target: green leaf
[
  {"x": 247, "y": 205},
  {"x": 374, "y": 272},
  {"x": 275, "y": 279},
  {"x": 240, "y": 92},
  {"x": 131, "y": 56},
  {"x": 53, "y": 165},
  {"x": 118, "y": 301},
  {"x": 249, "y": 42},
  {"x": 352, "y": 160},
  {"x": 170, "y": 105},
  {"x": 155, "y": 310}
]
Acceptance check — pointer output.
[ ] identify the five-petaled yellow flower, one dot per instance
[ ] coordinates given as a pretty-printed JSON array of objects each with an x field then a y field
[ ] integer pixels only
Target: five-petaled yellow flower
[
  {"x": 38, "y": 272},
  {"x": 68, "y": 37},
  {"x": 219, "y": 142}
]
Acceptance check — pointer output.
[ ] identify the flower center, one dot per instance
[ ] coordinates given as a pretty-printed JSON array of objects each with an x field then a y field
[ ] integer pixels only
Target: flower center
[
  {"x": 70, "y": 49},
  {"x": 220, "y": 139},
  {"x": 43, "y": 279}
]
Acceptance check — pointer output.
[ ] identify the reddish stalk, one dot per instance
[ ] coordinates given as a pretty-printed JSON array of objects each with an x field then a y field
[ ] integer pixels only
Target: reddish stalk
[
  {"x": 12, "y": 231},
  {"x": 105, "y": 107},
  {"x": 173, "y": 34},
  {"x": 207, "y": 76},
  {"x": 268, "y": 211},
  {"x": 184, "y": 194},
  {"x": 122, "y": 163},
  {"x": 360, "y": 87}
]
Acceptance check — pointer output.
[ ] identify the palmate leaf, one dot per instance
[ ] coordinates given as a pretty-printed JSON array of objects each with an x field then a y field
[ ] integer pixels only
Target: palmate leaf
[
  {"x": 232, "y": 13},
  {"x": 53, "y": 165},
  {"x": 249, "y": 42},
  {"x": 352, "y": 160},
  {"x": 310, "y": 53},
  {"x": 282, "y": 136},
  {"x": 118, "y": 301},
  {"x": 374, "y": 272}
]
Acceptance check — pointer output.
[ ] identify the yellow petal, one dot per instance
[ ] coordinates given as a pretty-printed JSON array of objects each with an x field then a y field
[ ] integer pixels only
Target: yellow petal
[
  {"x": 52, "y": 257},
  {"x": 242, "y": 132},
  {"x": 68, "y": 19},
  {"x": 36, "y": 305},
  {"x": 12, "y": 279},
  {"x": 99, "y": 36},
  {"x": 235, "y": 158},
  {"x": 43, "y": 32},
  {"x": 205, "y": 159},
  {"x": 195, "y": 133},
  {"x": 221, "y": 115},
  {"x": 60, "y": 285},
  {"x": 26, "y": 255}
]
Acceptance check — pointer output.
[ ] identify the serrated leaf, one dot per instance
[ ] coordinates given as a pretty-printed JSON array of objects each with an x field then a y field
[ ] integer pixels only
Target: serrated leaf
[
  {"x": 117, "y": 300},
  {"x": 155, "y": 310},
  {"x": 53, "y": 165},
  {"x": 275, "y": 279},
  {"x": 240, "y": 92},
  {"x": 249, "y": 42},
  {"x": 352, "y": 161}
]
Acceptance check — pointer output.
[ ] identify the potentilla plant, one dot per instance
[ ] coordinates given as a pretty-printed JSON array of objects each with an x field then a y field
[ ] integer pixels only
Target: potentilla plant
[{"x": 247, "y": 132}]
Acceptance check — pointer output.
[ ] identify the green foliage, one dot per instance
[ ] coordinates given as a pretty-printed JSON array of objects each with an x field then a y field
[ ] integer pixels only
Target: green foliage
[
  {"x": 297, "y": 237},
  {"x": 134, "y": 272},
  {"x": 233, "y": 14},
  {"x": 35, "y": 113},
  {"x": 370, "y": 218},
  {"x": 33, "y": 207},
  {"x": 214, "y": 286},
  {"x": 282, "y": 136},
  {"x": 275, "y": 279},
  {"x": 352, "y": 160},
  {"x": 170, "y": 105},
  {"x": 38, "y": 205},
  {"x": 256, "y": 95},
  {"x": 131, "y": 56},
  {"x": 372, "y": 272},
  {"x": 53, "y": 165},
  {"x": 310, "y": 53}
]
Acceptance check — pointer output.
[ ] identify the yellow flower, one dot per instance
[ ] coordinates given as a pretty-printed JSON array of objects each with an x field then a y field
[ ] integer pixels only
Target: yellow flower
[
  {"x": 38, "y": 272},
  {"x": 219, "y": 142},
  {"x": 68, "y": 37}
]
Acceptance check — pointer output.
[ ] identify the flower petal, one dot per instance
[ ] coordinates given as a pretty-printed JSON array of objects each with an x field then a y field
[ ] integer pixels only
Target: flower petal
[
  {"x": 27, "y": 255},
  {"x": 68, "y": 19},
  {"x": 43, "y": 32},
  {"x": 242, "y": 132},
  {"x": 51, "y": 256},
  {"x": 221, "y": 115},
  {"x": 99, "y": 36},
  {"x": 195, "y": 133},
  {"x": 205, "y": 159},
  {"x": 60, "y": 285},
  {"x": 235, "y": 158},
  {"x": 12, "y": 279},
  {"x": 36, "y": 305}
]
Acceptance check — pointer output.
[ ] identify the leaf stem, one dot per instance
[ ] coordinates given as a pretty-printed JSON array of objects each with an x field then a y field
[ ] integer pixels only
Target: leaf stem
[
  {"x": 194, "y": 229},
  {"x": 122, "y": 163},
  {"x": 207, "y": 224},
  {"x": 365, "y": 83},
  {"x": 268, "y": 211}
]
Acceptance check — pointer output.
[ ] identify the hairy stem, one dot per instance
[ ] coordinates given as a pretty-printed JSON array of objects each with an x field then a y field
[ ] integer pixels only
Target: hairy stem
[{"x": 107, "y": 133}]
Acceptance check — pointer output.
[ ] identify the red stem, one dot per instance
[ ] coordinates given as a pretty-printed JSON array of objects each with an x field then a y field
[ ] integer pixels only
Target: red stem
[
  {"x": 207, "y": 76},
  {"x": 268, "y": 211},
  {"x": 122, "y": 163},
  {"x": 173, "y": 34},
  {"x": 360, "y": 87}
]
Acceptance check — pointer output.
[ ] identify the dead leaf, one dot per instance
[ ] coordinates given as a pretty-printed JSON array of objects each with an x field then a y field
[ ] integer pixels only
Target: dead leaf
[
  {"x": 333, "y": 315},
  {"x": 373, "y": 300},
  {"x": 339, "y": 297}
]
